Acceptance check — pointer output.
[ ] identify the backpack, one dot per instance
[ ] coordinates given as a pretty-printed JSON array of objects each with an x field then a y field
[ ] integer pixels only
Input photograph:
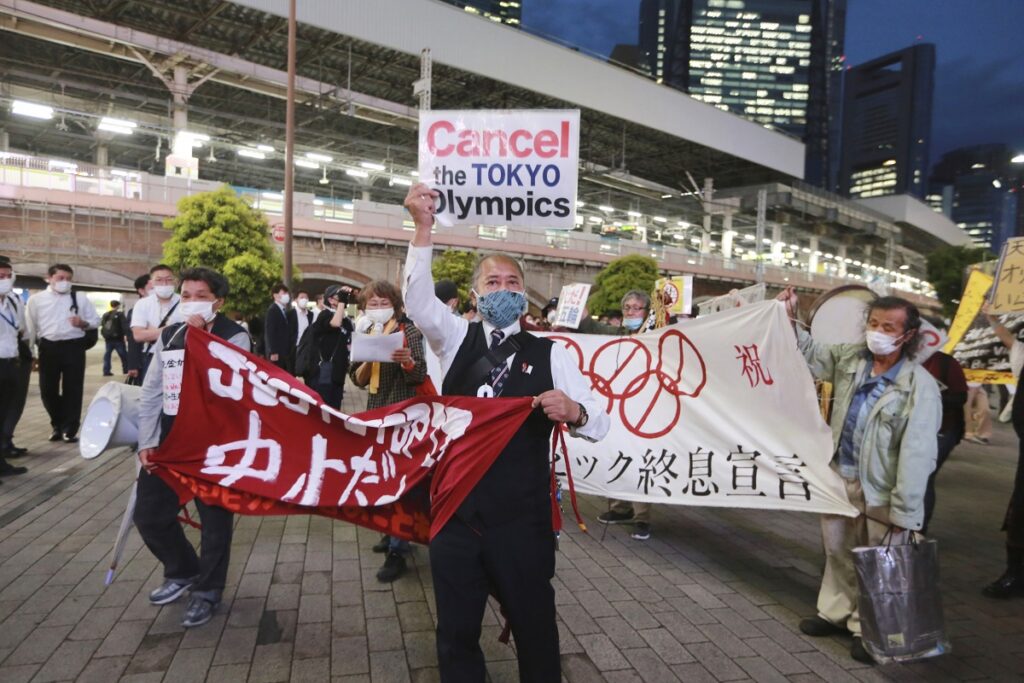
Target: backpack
[{"x": 110, "y": 327}]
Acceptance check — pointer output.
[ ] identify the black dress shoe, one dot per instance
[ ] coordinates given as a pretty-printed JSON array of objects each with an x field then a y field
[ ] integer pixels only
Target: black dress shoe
[
  {"x": 70, "y": 438},
  {"x": 818, "y": 628},
  {"x": 859, "y": 652},
  {"x": 7, "y": 469},
  {"x": 1009, "y": 585},
  {"x": 56, "y": 436},
  {"x": 15, "y": 451}
]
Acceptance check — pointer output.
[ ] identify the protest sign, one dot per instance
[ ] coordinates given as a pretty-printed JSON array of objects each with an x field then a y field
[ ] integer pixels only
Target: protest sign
[
  {"x": 971, "y": 301},
  {"x": 571, "y": 302},
  {"x": 696, "y": 412},
  {"x": 676, "y": 294},
  {"x": 252, "y": 439},
  {"x": 734, "y": 299},
  {"x": 502, "y": 167},
  {"x": 1008, "y": 294}
]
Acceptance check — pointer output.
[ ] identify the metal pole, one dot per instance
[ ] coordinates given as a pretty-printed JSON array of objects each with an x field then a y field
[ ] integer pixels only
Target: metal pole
[{"x": 289, "y": 148}]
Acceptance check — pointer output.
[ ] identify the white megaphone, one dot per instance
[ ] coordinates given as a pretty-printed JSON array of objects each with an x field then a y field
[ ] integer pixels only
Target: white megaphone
[{"x": 112, "y": 420}]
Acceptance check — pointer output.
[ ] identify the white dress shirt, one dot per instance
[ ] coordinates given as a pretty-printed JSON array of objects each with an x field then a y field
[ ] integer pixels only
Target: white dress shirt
[
  {"x": 150, "y": 311},
  {"x": 48, "y": 316},
  {"x": 12, "y": 323},
  {"x": 445, "y": 333},
  {"x": 302, "y": 315}
]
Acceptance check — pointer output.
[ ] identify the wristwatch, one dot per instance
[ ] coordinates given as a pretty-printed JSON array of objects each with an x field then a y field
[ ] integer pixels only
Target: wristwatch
[{"x": 583, "y": 418}]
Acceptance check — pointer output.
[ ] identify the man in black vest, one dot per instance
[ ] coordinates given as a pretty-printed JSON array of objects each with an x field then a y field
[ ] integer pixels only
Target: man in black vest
[
  {"x": 156, "y": 508},
  {"x": 501, "y": 537}
]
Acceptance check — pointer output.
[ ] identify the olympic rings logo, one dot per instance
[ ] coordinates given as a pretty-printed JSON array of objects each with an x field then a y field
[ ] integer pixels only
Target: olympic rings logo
[{"x": 627, "y": 374}]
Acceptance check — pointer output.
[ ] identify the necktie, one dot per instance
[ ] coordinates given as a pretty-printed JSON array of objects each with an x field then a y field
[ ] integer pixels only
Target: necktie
[{"x": 500, "y": 373}]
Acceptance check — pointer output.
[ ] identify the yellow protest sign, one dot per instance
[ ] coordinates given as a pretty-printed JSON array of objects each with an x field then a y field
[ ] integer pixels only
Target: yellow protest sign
[
  {"x": 983, "y": 376},
  {"x": 676, "y": 293},
  {"x": 970, "y": 305},
  {"x": 1008, "y": 294}
]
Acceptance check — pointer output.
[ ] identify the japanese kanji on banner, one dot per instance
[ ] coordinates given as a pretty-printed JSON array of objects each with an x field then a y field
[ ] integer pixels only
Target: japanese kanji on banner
[
  {"x": 250, "y": 438},
  {"x": 718, "y": 411}
]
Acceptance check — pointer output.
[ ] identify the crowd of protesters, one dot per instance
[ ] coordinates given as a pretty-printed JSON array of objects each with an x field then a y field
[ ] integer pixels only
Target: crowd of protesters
[{"x": 884, "y": 402}]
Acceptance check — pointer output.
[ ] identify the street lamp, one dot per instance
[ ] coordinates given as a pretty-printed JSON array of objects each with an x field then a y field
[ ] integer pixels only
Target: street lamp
[{"x": 1019, "y": 159}]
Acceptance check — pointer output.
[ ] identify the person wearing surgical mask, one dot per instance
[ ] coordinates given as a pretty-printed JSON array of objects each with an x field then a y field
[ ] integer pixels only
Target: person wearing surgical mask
[
  {"x": 12, "y": 367},
  {"x": 156, "y": 510},
  {"x": 389, "y": 383},
  {"x": 278, "y": 333},
  {"x": 886, "y": 417},
  {"x": 501, "y": 537},
  {"x": 155, "y": 312},
  {"x": 57, "y": 319}
]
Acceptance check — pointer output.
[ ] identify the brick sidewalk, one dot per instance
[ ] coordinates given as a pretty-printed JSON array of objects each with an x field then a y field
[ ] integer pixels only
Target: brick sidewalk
[{"x": 715, "y": 595}]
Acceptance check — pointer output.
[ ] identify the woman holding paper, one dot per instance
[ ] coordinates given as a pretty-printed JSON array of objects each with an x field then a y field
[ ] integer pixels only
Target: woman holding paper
[{"x": 389, "y": 383}]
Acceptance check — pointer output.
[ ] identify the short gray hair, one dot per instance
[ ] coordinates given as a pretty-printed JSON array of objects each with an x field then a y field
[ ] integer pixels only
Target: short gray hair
[
  {"x": 639, "y": 296},
  {"x": 501, "y": 257}
]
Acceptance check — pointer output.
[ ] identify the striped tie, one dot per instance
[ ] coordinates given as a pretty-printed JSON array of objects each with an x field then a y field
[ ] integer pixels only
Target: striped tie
[{"x": 500, "y": 373}]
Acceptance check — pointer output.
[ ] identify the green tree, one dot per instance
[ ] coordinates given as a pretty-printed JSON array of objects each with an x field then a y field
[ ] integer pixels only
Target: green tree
[
  {"x": 947, "y": 268},
  {"x": 620, "y": 276},
  {"x": 219, "y": 230},
  {"x": 456, "y": 266}
]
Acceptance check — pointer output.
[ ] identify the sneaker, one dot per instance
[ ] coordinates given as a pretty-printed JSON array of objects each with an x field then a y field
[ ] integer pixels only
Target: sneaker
[
  {"x": 859, "y": 652},
  {"x": 56, "y": 435},
  {"x": 1009, "y": 585},
  {"x": 382, "y": 545},
  {"x": 170, "y": 591},
  {"x": 817, "y": 627},
  {"x": 70, "y": 438},
  {"x": 641, "y": 532},
  {"x": 198, "y": 611},
  {"x": 394, "y": 566},
  {"x": 613, "y": 517}
]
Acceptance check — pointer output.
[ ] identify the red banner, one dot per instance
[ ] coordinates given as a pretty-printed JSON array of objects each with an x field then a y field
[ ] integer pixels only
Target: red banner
[{"x": 252, "y": 439}]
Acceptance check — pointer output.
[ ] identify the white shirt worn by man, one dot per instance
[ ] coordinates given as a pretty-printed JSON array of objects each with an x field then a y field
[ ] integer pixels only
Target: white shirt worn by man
[
  {"x": 302, "y": 315},
  {"x": 445, "y": 333},
  {"x": 150, "y": 311},
  {"x": 48, "y": 316},
  {"x": 12, "y": 322}
]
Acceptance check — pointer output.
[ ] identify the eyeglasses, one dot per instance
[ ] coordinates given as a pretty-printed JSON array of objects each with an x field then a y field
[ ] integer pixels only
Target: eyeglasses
[{"x": 634, "y": 308}]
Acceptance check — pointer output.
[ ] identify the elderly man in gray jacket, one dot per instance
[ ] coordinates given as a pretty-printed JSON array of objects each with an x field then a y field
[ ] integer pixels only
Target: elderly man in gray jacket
[{"x": 886, "y": 413}]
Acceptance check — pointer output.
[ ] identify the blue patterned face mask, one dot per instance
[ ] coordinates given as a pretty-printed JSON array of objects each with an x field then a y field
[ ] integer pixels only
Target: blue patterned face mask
[{"x": 501, "y": 308}]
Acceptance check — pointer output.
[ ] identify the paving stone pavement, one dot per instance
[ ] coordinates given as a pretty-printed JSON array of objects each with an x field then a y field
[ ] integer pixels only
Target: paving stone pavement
[{"x": 715, "y": 595}]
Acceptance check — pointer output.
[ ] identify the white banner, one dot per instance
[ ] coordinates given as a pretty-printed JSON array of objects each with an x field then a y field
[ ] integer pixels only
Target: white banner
[
  {"x": 495, "y": 167},
  {"x": 718, "y": 411}
]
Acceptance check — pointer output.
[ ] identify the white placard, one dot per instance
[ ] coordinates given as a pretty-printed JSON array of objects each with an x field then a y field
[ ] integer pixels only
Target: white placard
[
  {"x": 375, "y": 347},
  {"x": 172, "y": 366},
  {"x": 502, "y": 167},
  {"x": 571, "y": 302}
]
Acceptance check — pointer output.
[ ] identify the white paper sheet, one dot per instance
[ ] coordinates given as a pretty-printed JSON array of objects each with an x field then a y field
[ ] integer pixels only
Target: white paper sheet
[{"x": 379, "y": 347}]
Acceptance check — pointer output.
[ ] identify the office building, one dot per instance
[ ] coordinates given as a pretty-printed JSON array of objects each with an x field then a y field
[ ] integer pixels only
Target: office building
[
  {"x": 887, "y": 121},
  {"x": 503, "y": 11},
  {"x": 776, "y": 62}
]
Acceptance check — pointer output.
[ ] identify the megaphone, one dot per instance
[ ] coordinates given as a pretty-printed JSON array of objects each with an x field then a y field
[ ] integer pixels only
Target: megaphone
[{"x": 112, "y": 420}]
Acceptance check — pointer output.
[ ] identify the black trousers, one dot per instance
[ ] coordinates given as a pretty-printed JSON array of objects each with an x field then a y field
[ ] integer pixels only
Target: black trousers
[
  {"x": 156, "y": 518},
  {"x": 517, "y": 561},
  {"x": 13, "y": 375},
  {"x": 61, "y": 378}
]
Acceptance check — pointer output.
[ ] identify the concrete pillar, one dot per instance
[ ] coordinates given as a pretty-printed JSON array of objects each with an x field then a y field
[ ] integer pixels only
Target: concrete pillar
[
  {"x": 708, "y": 193},
  {"x": 5, "y": 141},
  {"x": 777, "y": 245},
  {"x": 365, "y": 196},
  {"x": 841, "y": 260},
  {"x": 812, "y": 258},
  {"x": 102, "y": 152},
  {"x": 727, "y": 236}
]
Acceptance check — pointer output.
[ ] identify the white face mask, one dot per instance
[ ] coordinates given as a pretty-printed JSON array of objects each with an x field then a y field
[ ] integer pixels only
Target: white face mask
[
  {"x": 201, "y": 308},
  {"x": 163, "y": 291},
  {"x": 302, "y": 303},
  {"x": 6, "y": 285},
  {"x": 62, "y": 286},
  {"x": 380, "y": 315},
  {"x": 285, "y": 299},
  {"x": 880, "y": 343}
]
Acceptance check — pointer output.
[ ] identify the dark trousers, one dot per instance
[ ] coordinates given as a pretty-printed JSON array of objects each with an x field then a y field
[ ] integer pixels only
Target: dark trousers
[
  {"x": 947, "y": 442},
  {"x": 331, "y": 394},
  {"x": 122, "y": 353},
  {"x": 61, "y": 378},
  {"x": 156, "y": 518},
  {"x": 516, "y": 560},
  {"x": 10, "y": 377}
]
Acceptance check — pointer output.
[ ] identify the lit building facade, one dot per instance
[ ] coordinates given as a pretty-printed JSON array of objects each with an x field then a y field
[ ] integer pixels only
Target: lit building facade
[
  {"x": 502, "y": 11},
  {"x": 887, "y": 121},
  {"x": 776, "y": 62}
]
